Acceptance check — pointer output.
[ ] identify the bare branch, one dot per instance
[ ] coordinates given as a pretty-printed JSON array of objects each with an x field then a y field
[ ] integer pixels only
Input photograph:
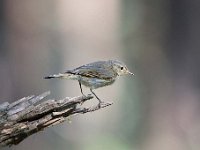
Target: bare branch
[{"x": 31, "y": 114}]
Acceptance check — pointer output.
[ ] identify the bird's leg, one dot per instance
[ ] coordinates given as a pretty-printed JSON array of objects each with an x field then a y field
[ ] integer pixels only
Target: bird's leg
[
  {"x": 100, "y": 102},
  {"x": 81, "y": 88}
]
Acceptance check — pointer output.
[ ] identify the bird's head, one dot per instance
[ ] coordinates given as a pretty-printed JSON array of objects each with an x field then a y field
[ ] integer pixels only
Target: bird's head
[{"x": 120, "y": 68}]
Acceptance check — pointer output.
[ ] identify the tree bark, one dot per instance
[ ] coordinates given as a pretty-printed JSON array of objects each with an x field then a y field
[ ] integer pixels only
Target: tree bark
[{"x": 30, "y": 115}]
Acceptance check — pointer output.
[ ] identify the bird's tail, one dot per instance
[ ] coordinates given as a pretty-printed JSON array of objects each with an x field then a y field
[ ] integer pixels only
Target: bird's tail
[
  {"x": 62, "y": 76},
  {"x": 54, "y": 76}
]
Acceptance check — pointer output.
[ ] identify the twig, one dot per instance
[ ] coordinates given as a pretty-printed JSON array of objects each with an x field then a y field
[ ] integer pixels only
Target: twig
[{"x": 30, "y": 115}]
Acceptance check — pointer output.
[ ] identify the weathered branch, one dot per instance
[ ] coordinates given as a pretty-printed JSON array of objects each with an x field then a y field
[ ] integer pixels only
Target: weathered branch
[{"x": 30, "y": 115}]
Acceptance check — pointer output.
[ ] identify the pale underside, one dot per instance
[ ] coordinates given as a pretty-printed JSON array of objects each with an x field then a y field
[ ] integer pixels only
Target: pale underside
[{"x": 95, "y": 83}]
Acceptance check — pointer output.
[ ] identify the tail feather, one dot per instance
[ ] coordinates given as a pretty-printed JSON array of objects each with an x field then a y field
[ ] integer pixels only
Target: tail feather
[
  {"x": 63, "y": 76},
  {"x": 54, "y": 76}
]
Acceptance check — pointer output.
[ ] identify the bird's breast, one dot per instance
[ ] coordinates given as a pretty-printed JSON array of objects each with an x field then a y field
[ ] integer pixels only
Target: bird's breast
[{"x": 95, "y": 83}]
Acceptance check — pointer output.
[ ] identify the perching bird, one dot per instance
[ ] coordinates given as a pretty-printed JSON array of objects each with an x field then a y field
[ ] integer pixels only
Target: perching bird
[{"x": 95, "y": 75}]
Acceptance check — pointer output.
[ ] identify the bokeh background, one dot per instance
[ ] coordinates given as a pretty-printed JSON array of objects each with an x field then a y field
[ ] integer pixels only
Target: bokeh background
[{"x": 159, "y": 40}]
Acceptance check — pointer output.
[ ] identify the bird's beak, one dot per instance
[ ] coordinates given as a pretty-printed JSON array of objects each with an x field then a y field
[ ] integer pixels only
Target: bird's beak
[{"x": 130, "y": 73}]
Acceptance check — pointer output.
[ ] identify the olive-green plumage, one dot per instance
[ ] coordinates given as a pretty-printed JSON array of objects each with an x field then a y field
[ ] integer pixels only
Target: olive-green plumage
[{"x": 95, "y": 75}]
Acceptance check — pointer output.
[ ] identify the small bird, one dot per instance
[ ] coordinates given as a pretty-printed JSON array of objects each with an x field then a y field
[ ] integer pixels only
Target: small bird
[{"x": 95, "y": 75}]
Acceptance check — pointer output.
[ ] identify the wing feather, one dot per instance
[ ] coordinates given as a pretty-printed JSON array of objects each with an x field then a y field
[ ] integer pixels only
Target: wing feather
[{"x": 100, "y": 70}]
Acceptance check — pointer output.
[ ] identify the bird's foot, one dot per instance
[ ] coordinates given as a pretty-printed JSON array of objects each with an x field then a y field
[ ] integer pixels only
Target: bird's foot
[{"x": 104, "y": 104}]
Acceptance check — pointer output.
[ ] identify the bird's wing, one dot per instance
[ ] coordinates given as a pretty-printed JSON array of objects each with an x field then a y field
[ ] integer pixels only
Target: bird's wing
[{"x": 98, "y": 70}]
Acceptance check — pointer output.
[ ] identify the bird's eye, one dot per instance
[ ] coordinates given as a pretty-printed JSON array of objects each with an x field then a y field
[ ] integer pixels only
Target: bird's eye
[{"x": 122, "y": 68}]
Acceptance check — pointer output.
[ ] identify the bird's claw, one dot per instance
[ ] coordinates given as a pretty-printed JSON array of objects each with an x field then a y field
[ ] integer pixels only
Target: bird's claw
[{"x": 104, "y": 104}]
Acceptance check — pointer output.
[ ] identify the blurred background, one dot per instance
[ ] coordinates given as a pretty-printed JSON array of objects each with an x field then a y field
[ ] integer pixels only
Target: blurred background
[{"x": 157, "y": 109}]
